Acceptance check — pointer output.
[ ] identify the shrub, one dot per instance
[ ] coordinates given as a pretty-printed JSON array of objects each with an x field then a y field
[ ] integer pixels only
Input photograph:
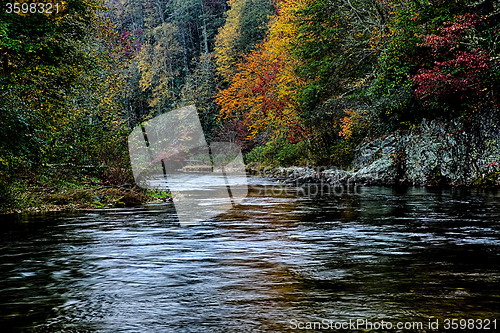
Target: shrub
[{"x": 279, "y": 152}]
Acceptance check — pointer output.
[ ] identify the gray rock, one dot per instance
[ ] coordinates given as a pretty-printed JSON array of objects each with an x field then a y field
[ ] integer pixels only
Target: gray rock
[{"x": 434, "y": 151}]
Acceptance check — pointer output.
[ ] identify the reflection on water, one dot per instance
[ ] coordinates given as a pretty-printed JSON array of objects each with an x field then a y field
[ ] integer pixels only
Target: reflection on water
[{"x": 388, "y": 254}]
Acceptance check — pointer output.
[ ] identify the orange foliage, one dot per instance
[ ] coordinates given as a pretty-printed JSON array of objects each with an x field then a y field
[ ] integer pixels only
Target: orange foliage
[
  {"x": 346, "y": 125},
  {"x": 263, "y": 90}
]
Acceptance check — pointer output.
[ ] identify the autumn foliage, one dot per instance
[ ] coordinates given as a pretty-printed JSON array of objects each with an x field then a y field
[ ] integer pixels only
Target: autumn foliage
[
  {"x": 330, "y": 73},
  {"x": 456, "y": 75},
  {"x": 292, "y": 79},
  {"x": 262, "y": 91}
]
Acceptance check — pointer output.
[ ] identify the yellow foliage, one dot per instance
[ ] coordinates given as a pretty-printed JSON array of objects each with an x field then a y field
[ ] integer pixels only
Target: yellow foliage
[
  {"x": 346, "y": 125},
  {"x": 263, "y": 85},
  {"x": 225, "y": 42},
  {"x": 156, "y": 64}
]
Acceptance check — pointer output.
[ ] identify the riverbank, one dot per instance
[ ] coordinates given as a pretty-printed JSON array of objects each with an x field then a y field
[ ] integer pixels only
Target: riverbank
[
  {"x": 309, "y": 175},
  {"x": 434, "y": 153},
  {"x": 66, "y": 191}
]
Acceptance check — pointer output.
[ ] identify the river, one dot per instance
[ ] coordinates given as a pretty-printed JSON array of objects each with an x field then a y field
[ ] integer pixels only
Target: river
[{"x": 278, "y": 262}]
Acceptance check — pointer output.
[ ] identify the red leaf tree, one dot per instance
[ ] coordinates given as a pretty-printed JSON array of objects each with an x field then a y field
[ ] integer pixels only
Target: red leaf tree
[{"x": 459, "y": 74}]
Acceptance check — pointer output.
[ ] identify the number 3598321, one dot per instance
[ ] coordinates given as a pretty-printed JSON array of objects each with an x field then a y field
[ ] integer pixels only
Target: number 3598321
[{"x": 32, "y": 8}]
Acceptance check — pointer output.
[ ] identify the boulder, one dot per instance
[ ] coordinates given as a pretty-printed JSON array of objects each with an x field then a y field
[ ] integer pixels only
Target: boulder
[{"x": 436, "y": 152}]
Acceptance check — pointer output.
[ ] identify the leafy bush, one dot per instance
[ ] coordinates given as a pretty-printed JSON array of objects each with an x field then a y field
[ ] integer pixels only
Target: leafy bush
[
  {"x": 279, "y": 152},
  {"x": 439, "y": 63}
]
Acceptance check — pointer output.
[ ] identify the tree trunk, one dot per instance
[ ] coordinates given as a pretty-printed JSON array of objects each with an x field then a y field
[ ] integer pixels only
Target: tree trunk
[{"x": 204, "y": 33}]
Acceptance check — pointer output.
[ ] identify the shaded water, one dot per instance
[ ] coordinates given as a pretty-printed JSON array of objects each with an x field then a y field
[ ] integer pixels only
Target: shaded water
[{"x": 397, "y": 255}]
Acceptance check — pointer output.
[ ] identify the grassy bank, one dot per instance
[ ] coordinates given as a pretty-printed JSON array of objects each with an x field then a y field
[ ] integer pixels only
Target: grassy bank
[{"x": 68, "y": 190}]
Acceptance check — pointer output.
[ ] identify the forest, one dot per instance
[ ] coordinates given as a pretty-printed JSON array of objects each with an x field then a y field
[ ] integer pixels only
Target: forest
[{"x": 292, "y": 82}]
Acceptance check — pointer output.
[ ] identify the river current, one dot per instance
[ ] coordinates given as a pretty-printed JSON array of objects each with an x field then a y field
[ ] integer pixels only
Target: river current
[{"x": 278, "y": 262}]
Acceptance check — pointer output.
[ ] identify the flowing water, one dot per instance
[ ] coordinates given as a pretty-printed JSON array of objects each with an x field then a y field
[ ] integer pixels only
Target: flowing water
[{"x": 279, "y": 261}]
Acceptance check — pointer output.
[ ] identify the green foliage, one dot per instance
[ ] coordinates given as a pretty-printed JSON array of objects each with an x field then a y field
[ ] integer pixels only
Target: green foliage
[
  {"x": 158, "y": 64},
  {"x": 338, "y": 44},
  {"x": 342, "y": 153},
  {"x": 41, "y": 59},
  {"x": 73, "y": 84},
  {"x": 172, "y": 38},
  {"x": 59, "y": 83},
  {"x": 254, "y": 19},
  {"x": 18, "y": 141},
  {"x": 56, "y": 189},
  {"x": 392, "y": 94},
  {"x": 292, "y": 154},
  {"x": 200, "y": 89},
  {"x": 280, "y": 153},
  {"x": 487, "y": 181},
  {"x": 44, "y": 51}
]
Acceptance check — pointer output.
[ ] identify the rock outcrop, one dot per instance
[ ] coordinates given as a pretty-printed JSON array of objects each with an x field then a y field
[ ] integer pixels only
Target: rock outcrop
[{"x": 433, "y": 153}]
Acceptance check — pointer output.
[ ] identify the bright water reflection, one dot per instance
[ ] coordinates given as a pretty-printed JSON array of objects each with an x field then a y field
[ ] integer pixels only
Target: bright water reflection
[{"x": 397, "y": 255}]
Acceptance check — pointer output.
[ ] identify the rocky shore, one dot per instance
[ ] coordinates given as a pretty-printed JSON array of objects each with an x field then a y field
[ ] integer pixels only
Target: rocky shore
[{"x": 435, "y": 153}]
